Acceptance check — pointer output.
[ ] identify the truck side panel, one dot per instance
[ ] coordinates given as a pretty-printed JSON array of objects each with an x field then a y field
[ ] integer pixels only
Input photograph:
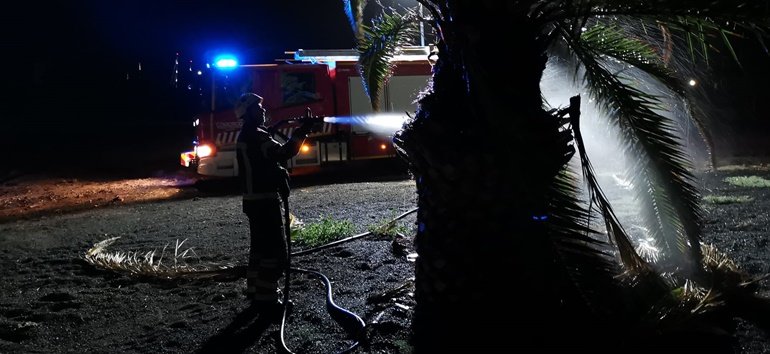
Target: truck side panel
[
  {"x": 289, "y": 91},
  {"x": 409, "y": 78}
]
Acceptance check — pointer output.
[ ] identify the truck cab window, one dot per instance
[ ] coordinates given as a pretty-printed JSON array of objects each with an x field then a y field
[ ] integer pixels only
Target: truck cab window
[
  {"x": 298, "y": 88},
  {"x": 229, "y": 86}
]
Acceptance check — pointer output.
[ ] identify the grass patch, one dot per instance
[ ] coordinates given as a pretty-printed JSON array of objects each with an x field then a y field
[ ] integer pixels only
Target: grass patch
[
  {"x": 748, "y": 181},
  {"x": 753, "y": 167},
  {"x": 322, "y": 232},
  {"x": 726, "y": 199}
]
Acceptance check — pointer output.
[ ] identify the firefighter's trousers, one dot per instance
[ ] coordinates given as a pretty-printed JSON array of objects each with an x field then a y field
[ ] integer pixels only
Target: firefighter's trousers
[{"x": 268, "y": 254}]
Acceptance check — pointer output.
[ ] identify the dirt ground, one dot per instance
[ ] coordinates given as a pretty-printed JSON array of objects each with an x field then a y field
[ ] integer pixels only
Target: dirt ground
[
  {"x": 53, "y": 301},
  {"x": 26, "y": 197}
]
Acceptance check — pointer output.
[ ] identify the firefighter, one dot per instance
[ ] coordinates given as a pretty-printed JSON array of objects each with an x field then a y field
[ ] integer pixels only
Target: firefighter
[{"x": 263, "y": 177}]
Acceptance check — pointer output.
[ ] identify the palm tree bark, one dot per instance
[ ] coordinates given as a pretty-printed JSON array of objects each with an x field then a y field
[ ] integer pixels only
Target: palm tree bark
[
  {"x": 484, "y": 154},
  {"x": 504, "y": 257}
]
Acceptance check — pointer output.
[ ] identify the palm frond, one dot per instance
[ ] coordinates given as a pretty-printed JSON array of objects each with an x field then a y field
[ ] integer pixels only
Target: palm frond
[
  {"x": 702, "y": 24},
  {"x": 735, "y": 11},
  {"x": 379, "y": 44},
  {"x": 611, "y": 41},
  {"x": 660, "y": 51},
  {"x": 699, "y": 119},
  {"x": 577, "y": 244},
  {"x": 615, "y": 230},
  {"x": 702, "y": 35},
  {"x": 662, "y": 169},
  {"x": 591, "y": 269}
]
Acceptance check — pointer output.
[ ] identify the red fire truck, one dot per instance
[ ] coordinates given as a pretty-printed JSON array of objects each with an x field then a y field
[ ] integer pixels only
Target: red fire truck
[{"x": 328, "y": 83}]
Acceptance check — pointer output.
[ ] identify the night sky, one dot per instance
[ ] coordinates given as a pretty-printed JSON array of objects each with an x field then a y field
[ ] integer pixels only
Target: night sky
[
  {"x": 84, "y": 43},
  {"x": 68, "y": 104},
  {"x": 67, "y": 99}
]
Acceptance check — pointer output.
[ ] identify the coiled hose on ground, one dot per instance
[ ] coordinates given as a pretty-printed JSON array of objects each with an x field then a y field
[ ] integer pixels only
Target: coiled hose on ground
[{"x": 349, "y": 321}]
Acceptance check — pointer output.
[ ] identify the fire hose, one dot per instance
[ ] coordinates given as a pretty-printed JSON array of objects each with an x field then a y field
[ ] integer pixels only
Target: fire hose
[
  {"x": 353, "y": 325},
  {"x": 349, "y": 321}
]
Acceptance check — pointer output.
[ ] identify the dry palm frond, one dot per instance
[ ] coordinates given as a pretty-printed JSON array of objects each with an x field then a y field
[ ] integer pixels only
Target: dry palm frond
[
  {"x": 696, "y": 299},
  {"x": 295, "y": 223},
  {"x": 727, "y": 286},
  {"x": 182, "y": 265},
  {"x": 406, "y": 288},
  {"x": 713, "y": 259},
  {"x": 725, "y": 272}
]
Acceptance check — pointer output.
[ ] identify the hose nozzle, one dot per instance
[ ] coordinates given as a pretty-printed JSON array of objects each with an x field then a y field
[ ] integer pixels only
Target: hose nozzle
[{"x": 308, "y": 118}]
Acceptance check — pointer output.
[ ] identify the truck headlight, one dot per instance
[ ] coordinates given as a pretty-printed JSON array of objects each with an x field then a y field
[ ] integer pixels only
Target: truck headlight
[{"x": 204, "y": 150}]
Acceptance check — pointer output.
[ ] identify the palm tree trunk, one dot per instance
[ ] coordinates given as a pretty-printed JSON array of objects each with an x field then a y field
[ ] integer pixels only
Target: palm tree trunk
[{"x": 484, "y": 154}]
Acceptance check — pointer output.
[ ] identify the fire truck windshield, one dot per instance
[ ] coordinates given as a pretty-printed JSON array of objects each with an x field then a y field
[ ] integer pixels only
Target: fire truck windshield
[{"x": 228, "y": 86}]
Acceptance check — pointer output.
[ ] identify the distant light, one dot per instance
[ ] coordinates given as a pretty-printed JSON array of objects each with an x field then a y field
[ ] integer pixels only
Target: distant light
[
  {"x": 305, "y": 148},
  {"x": 383, "y": 146},
  {"x": 200, "y": 73},
  {"x": 225, "y": 62},
  {"x": 692, "y": 82}
]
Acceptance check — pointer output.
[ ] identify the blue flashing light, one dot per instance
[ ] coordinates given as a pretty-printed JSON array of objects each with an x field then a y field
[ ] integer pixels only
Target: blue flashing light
[
  {"x": 225, "y": 62},
  {"x": 540, "y": 217}
]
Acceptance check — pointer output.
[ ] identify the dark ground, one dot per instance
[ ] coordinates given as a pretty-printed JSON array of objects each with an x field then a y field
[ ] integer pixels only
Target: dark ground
[{"x": 53, "y": 301}]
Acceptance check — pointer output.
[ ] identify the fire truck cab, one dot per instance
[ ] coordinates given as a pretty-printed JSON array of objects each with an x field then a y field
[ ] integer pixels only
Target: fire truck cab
[{"x": 328, "y": 83}]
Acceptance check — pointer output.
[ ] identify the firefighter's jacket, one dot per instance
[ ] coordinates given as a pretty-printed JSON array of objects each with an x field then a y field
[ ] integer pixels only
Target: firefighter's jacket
[{"x": 259, "y": 164}]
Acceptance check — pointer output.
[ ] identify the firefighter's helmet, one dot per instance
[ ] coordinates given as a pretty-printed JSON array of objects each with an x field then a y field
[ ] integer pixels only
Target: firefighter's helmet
[{"x": 244, "y": 102}]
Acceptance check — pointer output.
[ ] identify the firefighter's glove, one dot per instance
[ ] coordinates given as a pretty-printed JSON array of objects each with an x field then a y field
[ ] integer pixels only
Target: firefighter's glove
[
  {"x": 303, "y": 130},
  {"x": 315, "y": 125},
  {"x": 308, "y": 127}
]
